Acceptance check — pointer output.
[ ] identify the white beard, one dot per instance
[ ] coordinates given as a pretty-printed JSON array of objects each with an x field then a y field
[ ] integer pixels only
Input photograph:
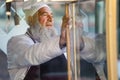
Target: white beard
[
  {"x": 46, "y": 33},
  {"x": 43, "y": 33}
]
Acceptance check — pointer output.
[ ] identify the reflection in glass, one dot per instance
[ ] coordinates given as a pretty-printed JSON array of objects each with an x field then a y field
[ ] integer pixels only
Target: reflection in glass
[{"x": 85, "y": 12}]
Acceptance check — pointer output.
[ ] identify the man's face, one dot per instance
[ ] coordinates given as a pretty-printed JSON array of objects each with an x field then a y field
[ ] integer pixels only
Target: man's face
[{"x": 45, "y": 17}]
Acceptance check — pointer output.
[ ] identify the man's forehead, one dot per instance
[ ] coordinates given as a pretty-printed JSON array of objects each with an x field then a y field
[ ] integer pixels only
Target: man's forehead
[{"x": 45, "y": 10}]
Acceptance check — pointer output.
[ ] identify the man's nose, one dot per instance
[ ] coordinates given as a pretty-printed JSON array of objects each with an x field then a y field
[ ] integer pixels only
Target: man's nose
[{"x": 50, "y": 18}]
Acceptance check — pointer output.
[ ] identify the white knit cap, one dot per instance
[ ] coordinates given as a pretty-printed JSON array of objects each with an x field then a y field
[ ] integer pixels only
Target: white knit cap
[{"x": 35, "y": 7}]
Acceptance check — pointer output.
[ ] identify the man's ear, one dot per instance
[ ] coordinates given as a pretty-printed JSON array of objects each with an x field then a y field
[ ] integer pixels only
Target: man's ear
[{"x": 30, "y": 21}]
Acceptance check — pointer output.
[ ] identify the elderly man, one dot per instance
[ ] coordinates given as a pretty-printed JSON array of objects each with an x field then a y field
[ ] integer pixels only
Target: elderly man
[
  {"x": 39, "y": 45},
  {"x": 39, "y": 53}
]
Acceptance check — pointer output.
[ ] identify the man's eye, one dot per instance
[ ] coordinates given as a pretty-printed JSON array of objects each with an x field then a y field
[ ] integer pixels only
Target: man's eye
[{"x": 44, "y": 14}]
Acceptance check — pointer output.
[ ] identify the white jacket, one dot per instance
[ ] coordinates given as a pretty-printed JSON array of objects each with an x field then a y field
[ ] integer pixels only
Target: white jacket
[{"x": 23, "y": 52}]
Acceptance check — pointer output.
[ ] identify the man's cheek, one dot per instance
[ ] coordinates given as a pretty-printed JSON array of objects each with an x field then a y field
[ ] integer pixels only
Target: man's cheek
[{"x": 43, "y": 22}]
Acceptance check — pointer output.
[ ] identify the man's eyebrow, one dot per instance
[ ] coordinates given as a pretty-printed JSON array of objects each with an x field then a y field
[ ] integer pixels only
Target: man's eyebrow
[{"x": 44, "y": 13}]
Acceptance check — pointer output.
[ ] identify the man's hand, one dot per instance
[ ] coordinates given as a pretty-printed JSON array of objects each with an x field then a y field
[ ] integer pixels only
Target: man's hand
[{"x": 65, "y": 25}]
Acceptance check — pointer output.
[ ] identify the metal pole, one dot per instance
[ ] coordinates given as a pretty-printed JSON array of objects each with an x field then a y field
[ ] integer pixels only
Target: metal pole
[
  {"x": 68, "y": 44},
  {"x": 74, "y": 41},
  {"x": 111, "y": 38}
]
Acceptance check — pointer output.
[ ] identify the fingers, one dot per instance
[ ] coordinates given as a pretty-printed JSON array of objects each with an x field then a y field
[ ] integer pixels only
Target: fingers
[
  {"x": 66, "y": 22},
  {"x": 66, "y": 19}
]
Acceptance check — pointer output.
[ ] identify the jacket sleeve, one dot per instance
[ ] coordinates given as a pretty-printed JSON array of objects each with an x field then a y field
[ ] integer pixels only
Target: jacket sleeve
[{"x": 22, "y": 51}]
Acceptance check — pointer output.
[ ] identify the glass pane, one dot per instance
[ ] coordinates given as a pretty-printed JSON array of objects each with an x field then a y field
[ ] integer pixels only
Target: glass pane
[{"x": 90, "y": 23}]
